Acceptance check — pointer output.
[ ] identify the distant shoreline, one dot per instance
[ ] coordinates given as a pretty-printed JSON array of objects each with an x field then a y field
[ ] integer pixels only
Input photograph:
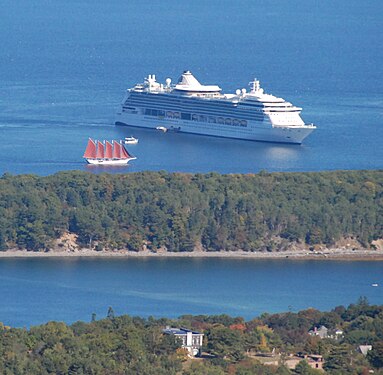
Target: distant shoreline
[{"x": 331, "y": 254}]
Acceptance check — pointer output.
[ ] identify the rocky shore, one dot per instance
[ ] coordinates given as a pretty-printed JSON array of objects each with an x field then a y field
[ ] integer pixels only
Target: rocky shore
[{"x": 331, "y": 254}]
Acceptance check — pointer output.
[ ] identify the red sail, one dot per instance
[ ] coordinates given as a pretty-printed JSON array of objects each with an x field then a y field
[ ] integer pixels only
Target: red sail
[
  {"x": 116, "y": 150},
  {"x": 100, "y": 150},
  {"x": 108, "y": 150},
  {"x": 90, "y": 151},
  {"x": 124, "y": 153}
]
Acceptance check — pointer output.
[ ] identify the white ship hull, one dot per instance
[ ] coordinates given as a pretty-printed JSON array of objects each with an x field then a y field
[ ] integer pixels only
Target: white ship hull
[
  {"x": 255, "y": 131},
  {"x": 108, "y": 161}
]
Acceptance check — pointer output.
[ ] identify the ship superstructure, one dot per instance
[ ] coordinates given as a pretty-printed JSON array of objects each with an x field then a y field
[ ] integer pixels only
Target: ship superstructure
[{"x": 191, "y": 107}]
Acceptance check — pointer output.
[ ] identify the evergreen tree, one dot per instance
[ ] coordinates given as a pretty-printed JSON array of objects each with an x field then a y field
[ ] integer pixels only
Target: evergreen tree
[
  {"x": 110, "y": 314},
  {"x": 339, "y": 360},
  {"x": 375, "y": 356}
]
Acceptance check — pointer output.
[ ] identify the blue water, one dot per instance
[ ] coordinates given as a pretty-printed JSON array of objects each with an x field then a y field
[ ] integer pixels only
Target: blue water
[
  {"x": 34, "y": 291},
  {"x": 64, "y": 67}
]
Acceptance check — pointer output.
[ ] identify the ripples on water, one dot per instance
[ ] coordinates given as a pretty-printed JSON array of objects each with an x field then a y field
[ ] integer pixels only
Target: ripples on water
[
  {"x": 37, "y": 290},
  {"x": 64, "y": 73}
]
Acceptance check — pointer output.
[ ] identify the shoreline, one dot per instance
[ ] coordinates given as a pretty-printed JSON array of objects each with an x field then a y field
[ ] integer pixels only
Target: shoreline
[{"x": 329, "y": 254}]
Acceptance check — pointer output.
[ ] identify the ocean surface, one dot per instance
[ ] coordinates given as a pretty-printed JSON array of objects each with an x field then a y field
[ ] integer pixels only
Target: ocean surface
[
  {"x": 34, "y": 291},
  {"x": 64, "y": 68}
]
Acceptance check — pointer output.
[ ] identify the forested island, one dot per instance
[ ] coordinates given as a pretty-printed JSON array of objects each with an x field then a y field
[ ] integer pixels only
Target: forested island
[
  {"x": 269, "y": 344},
  {"x": 178, "y": 212}
]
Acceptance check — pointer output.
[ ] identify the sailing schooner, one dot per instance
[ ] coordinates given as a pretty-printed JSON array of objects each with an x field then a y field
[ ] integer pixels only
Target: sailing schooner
[{"x": 106, "y": 153}]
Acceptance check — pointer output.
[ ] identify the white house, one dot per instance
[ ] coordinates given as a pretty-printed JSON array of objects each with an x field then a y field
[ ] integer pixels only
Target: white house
[
  {"x": 322, "y": 332},
  {"x": 191, "y": 340}
]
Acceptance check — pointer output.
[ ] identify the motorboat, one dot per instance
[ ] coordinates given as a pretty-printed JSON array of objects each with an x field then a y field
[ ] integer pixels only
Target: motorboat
[{"x": 130, "y": 140}]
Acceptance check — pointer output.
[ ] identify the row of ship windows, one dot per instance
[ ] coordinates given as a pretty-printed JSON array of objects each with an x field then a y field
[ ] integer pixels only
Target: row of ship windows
[
  {"x": 139, "y": 101},
  {"x": 165, "y": 100},
  {"x": 195, "y": 117},
  {"x": 201, "y": 126},
  {"x": 232, "y": 112}
]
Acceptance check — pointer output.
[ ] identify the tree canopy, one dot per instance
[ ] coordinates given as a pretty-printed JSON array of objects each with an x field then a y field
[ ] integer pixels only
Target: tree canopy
[
  {"x": 132, "y": 345},
  {"x": 183, "y": 212}
]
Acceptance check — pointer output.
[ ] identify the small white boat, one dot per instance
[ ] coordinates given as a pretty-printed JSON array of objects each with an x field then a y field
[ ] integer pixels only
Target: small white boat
[
  {"x": 130, "y": 141},
  {"x": 375, "y": 284},
  {"x": 162, "y": 128}
]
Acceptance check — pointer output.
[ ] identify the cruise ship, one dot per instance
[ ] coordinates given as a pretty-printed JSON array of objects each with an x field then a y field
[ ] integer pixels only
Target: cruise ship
[{"x": 191, "y": 107}]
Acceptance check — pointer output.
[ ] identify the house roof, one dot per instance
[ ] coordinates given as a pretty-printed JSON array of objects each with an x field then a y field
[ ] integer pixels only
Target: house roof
[
  {"x": 179, "y": 331},
  {"x": 365, "y": 348}
]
